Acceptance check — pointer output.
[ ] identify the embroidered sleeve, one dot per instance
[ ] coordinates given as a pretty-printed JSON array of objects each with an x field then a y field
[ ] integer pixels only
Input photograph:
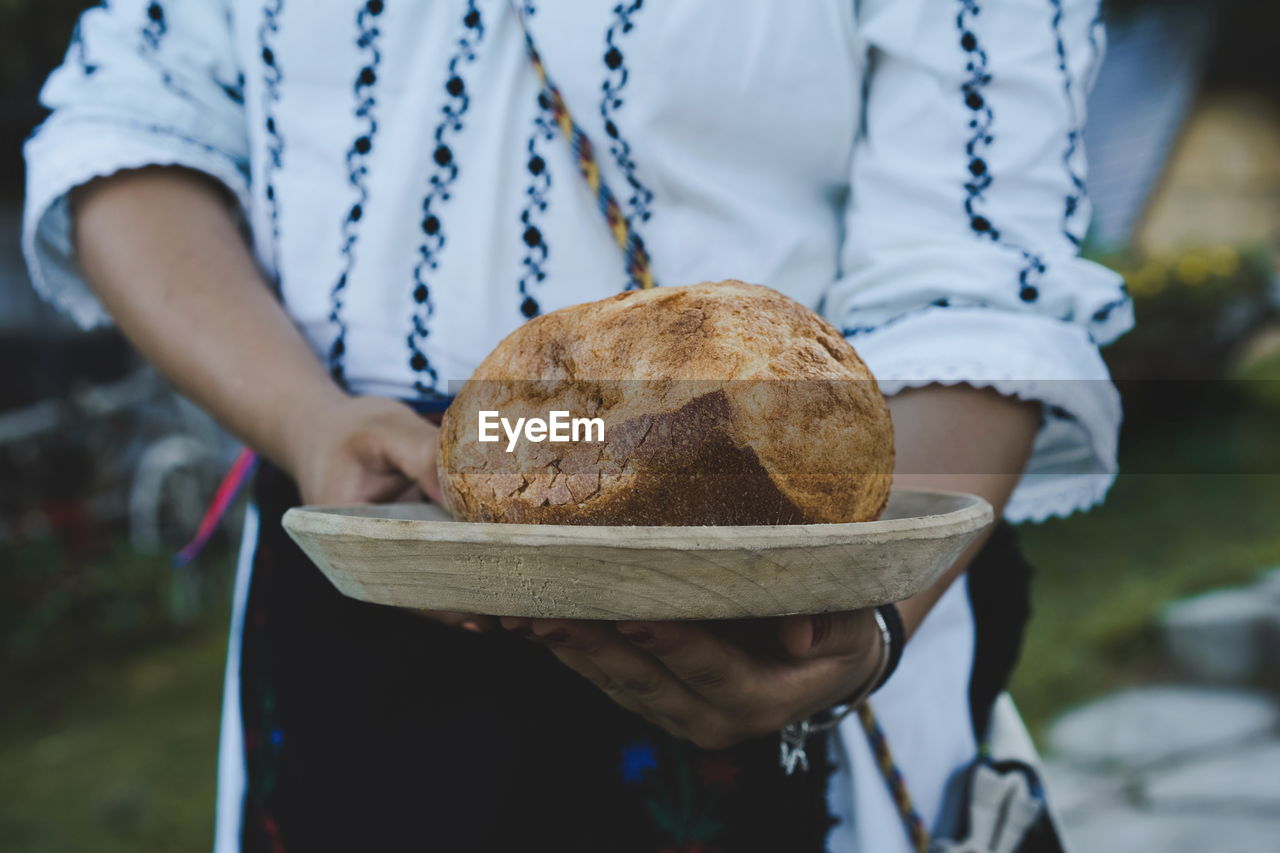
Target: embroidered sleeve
[
  {"x": 144, "y": 83},
  {"x": 966, "y": 214}
]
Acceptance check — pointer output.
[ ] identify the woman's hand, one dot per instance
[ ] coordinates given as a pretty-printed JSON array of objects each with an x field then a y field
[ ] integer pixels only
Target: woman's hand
[
  {"x": 369, "y": 450},
  {"x": 698, "y": 686},
  {"x": 363, "y": 450}
]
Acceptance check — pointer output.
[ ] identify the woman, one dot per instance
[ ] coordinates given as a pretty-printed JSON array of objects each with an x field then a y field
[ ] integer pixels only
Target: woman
[{"x": 910, "y": 168}]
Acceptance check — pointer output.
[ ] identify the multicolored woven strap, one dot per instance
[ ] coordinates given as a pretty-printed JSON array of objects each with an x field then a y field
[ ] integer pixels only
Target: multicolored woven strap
[
  {"x": 911, "y": 819},
  {"x": 230, "y": 486},
  {"x": 638, "y": 267}
]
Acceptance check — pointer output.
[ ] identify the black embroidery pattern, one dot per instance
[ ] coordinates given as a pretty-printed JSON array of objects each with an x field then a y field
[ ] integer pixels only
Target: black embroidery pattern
[
  {"x": 1078, "y": 193},
  {"x": 153, "y": 34},
  {"x": 233, "y": 91},
  {"x": 1095, "y": 48},
  {"x": 981, "y": 121},
  {"x": 535, "y": 241},
  {"x": 944, "y": 302},
  {"x": 271, "y": 80},
  {"x": 1104, "y": 313},
  {"x": 156, "y": 27},
  {"x": 445, "y": 172},
  {"x": 87, "y": 67},
  {"x": 537, "y": 199},
  {"x": 611, "y": 100},
  {"x": 357, "y": 171}
]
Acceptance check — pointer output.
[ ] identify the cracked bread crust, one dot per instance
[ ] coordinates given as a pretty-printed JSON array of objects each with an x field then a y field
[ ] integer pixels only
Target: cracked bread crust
[{"x": 724, "y": 403}]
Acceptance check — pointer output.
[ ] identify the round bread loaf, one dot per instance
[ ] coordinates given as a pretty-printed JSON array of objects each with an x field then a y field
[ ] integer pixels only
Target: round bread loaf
[{"x": 721, "y": 404}]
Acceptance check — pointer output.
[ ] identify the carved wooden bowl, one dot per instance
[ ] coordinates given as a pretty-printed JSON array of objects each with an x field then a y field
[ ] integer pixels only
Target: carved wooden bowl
[{"x": 414, "y": 555}]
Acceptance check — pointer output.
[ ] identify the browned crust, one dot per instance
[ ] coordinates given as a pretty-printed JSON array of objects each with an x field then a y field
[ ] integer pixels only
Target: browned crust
[{"x": 747, "y": 399}]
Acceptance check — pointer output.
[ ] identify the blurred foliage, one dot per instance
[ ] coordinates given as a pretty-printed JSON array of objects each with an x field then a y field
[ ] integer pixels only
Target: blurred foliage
[
  {"x": 111, "y": 668},
  {"x": 114, "y": 754},
  {"x": 1203, "y": 317},
  {"x": 59, "y": 598},
  {"x": 1195, "y": 310}
]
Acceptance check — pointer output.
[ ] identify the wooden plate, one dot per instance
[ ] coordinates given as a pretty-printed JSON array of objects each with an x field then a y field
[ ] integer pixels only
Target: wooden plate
[{"x": 414, "y": 555}]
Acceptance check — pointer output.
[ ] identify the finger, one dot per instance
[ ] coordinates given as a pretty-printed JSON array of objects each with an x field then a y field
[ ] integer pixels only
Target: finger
[
  {"x": 410, "y": 494},
  {"x": 707, "y": 664},
  {"x": 472, "y": 622},
  {"x": 750, "y": 696},
  {"x": 522, "y": 626},
  {"x": 630, "y": 676},
  {"x": 607, "y": 684},
  {"x": 850, "y": 633},
  {"x": 675, "y": 720},
  {"x": 679, "y": 725},
  {"x": 412, "y": 448},
  {"x": 429, "y": 481}
]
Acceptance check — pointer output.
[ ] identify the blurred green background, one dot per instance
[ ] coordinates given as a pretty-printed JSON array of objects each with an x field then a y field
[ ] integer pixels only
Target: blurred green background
[{"x": 111, "y": 660}]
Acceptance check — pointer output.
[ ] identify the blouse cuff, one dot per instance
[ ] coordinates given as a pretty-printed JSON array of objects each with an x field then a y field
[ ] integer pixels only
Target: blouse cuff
[
  {"x": 66, "y": 154},
  {"x": 1024, "y": 356}
]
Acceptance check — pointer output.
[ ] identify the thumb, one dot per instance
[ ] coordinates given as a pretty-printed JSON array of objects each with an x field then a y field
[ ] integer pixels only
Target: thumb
[
  {"x": 413, "y": 451},
  {"x": 472, "y": 622},
  {"x": 818, "y": 635}
]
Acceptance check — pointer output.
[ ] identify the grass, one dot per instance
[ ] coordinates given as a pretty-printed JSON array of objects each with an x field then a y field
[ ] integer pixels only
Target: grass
[{"x": 115, "y": 755}]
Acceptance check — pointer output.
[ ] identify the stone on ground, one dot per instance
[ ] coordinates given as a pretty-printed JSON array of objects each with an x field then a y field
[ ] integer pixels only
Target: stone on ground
[
  {"x": 1245, "y": 780},
  {"x": 1141, "y": 726},
  {"x": 1218, "y": 636},
  {"x": 1127, "y": 830}
]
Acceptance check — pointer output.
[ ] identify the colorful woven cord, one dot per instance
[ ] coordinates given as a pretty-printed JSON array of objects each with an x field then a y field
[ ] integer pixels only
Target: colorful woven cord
[
  {"x": 628, "y": 240},
  {"x": 227, "y": 491},
  {"x": 911, "y": 819}
]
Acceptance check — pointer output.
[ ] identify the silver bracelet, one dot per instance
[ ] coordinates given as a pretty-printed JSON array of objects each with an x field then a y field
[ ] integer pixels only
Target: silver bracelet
[{"x": 791, "y": 752}]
